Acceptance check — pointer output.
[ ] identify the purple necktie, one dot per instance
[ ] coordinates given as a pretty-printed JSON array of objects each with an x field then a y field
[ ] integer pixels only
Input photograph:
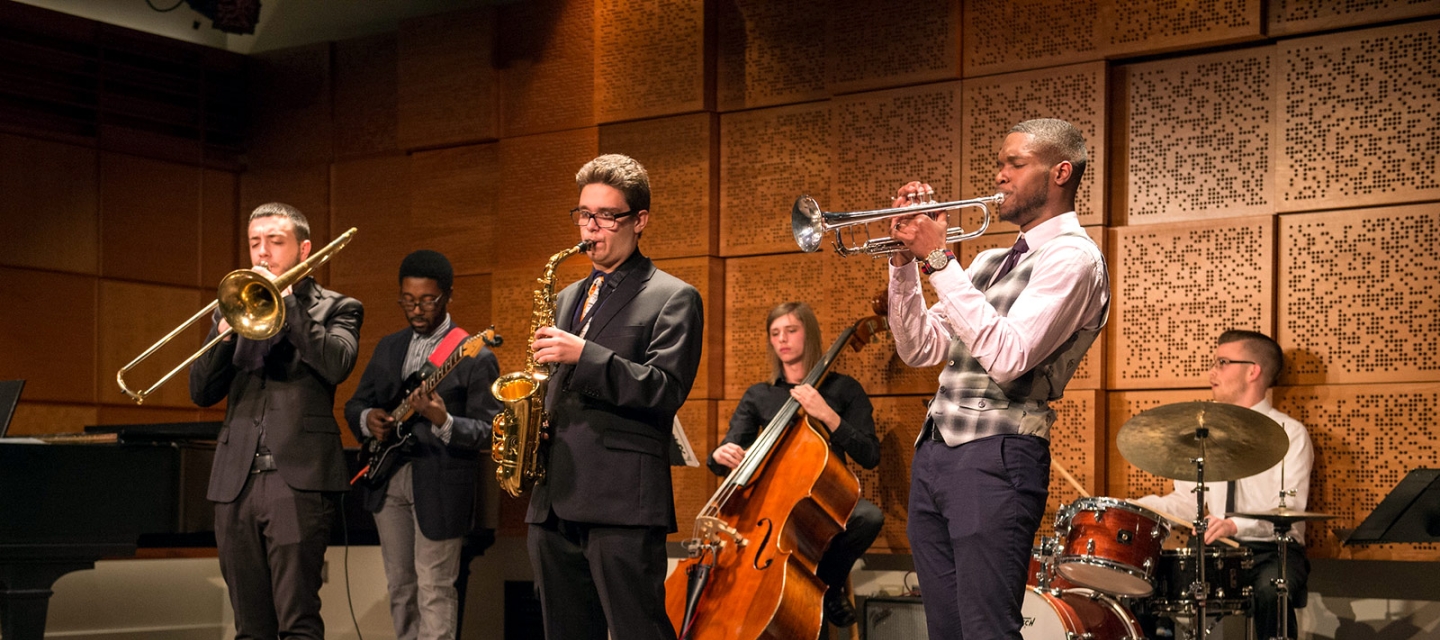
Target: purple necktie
[{"x": 1012, "y": 258}]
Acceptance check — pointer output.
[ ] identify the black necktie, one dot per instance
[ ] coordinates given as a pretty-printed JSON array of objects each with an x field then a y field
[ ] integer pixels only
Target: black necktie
[{"x": 1012, "y": 258}]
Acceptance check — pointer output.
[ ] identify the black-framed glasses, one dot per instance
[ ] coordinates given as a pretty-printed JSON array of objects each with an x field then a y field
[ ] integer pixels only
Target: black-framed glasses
[
  {"x": 425, "y": 304},
  {"x": 1220, "y": 363},
  {"x": 603, "y": 219}
]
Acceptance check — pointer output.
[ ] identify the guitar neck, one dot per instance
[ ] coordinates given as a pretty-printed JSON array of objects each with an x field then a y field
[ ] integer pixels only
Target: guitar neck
[{"x": 403, "y": 410}]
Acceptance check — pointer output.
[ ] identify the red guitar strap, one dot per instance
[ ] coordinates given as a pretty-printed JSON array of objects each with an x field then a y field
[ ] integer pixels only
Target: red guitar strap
[{"x": 447, "y": 346}]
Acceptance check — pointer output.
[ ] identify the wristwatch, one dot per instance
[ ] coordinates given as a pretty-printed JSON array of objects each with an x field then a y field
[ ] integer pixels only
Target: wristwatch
[{"x": 936, "y": 260}]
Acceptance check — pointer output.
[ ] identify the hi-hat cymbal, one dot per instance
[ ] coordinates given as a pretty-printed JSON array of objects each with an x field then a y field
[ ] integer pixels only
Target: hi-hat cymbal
[
  {"x": 1240, "y": 443},
  {"x": 1284, "y": 515}
]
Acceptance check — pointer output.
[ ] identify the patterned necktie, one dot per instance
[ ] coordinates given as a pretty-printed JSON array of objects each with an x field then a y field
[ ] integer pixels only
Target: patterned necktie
[
  {"x": 591, "y": 296},
  {"x": 1012, "y": 258}
]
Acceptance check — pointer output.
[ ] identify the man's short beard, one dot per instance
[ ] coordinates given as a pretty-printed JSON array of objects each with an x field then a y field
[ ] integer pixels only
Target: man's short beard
[{"x": 1024, "y": 210}]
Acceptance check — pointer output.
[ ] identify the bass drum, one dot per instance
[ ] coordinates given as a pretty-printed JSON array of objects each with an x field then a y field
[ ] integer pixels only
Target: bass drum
[{"x": 1076, "y": 613}]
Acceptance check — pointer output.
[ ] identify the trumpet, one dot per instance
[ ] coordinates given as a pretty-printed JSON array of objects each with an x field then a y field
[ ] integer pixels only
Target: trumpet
[
  {"x": 249, "y": 301},
  {"x": 810, "y": 224}
]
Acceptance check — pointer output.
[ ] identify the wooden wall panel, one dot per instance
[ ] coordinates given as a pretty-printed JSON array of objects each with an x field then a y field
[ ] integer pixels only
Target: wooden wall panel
[
  {"x": 679, "y": 154},
  {"x": 1289, "y": 17},
  {"x": 366, "y": 94},
  {"x": 547, "y": 66},
  {"x": 37, "y": 418},
  {"x": 1131, "y": 27},
  {"x": 306, "y": 188},
  {"x": 448, "y": 85},
  {"x": 221, "y": 234},
  {"x": 874, "y": 45},
  {"x": 539, "y": 218},
  {"x": 850, "y": 287},
  {"x": 1176, "y": 287},
  {"x": 1199, "y": 138},
  {"x": 53, "y": 346},
  {"x": 152, "y": 204},
  {"x": 512, "y": 296},
  {"x": 452, "y": 205},
  {"x": 652, "y": 58},
  {"x": 131, "y": 414},
  {"x": 1357, "y": 295},
  {"x": 765, "y": 55},
  {"x": 132, "y": 317},
  {"x": 367, "y": 196},
  {"x": 707, "y": 275},
  {"x": 768, "y": 158},
  {"x": 1366, "y": 438},
  {"x": 1359, "y": 118},
  {"x": 49, "y": 205},
  {"x": 1122, "y": 479},
  {"x": 753, "y": 286},
  {"x": 992, "y": 106},
  {"x": 291, "y": 108},
  {"x": 1009, "y": 35},
  {"x": 1078, "y": 445},
  {"x": 897, "y": 422},
  {"x": 694, "y": 486},
  {"x": 471, "y": 308},
  {"x": 884, "y": 139}
]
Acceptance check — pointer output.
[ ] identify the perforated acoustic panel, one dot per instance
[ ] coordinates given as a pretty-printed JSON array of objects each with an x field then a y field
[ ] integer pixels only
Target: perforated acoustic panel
[
  {"x": 650, "y": 59},
  {"x": 447, "y": 79},
  {"x": 1176, "y": 287},
  {"x": 1006, "y": 35},
  {"x": 1148, "y": 26},
  {"x": 1077, "y": 444},
  {"x": 452, "y": 205},
  {"x": 1122, "y": 479},
  {"x": 851, "y": 286},
  {"x": 1287, "y": 17},
  {"x": 547, "y": 74},
  {"x": 872, "y": 45},
  {"x": 537, "y": 191},
  {"x": 752, "y": 287},
  {"x": 1366, "y": 438},
  {"x": 897, "y": 422},
  {"x": 770, "y": 53},
  {"x": 679, "y": 154},
  {"x": 707, "y": 275},
  {"x": 1359, "y": 120},
  {"x": 512, "y": 304},
  {"x": 993, "y": 105},
  {"x": 768, "y": 158},
  {"x": 1199, "y": 138},
  {"x": 882, "y": 140},
  {"x": 1357, "y": 295}
]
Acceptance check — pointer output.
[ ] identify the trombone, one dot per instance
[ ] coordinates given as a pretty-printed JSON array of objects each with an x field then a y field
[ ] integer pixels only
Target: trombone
[
  {"x": 810, "y": 224},
  {"x": 249, "y": 301}
]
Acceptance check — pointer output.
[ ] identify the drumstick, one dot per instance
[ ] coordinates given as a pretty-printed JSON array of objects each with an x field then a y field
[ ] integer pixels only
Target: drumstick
[
  {"x": 1069, "y": 478},
  {"x": 1187, "y": 525}
]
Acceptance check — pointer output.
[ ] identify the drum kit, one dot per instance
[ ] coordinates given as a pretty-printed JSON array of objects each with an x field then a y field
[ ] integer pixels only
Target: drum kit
[{"x": 1108, "y": 555}]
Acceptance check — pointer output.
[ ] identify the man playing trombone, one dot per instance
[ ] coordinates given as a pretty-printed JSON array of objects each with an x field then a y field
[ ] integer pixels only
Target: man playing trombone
[
  {"x": 278, "y": 460},
  {"x": 1011, "y": 331}
]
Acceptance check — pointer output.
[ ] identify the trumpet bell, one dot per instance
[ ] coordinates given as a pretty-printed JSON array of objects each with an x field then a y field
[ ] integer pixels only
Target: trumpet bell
[
  {"x": 251, "y": 304},
  {"x": 807, "y": 223}
]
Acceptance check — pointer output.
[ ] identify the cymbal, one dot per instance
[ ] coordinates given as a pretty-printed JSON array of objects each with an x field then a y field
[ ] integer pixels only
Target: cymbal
[
  {"x": 1241, "y": 443},
  {"x": 1283, "y": 515}
]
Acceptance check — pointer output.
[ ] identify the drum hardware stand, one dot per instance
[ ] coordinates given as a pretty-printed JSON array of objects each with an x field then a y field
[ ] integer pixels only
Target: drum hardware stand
[
  {"x": 1282, "y": 543},
  {"x": 1200, "y": 589}
]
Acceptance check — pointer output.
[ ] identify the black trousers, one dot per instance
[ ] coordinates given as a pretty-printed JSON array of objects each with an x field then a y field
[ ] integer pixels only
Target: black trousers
[
  {"x": 1261, "y": 578},
  {"x": 847, "y": 546},
  {"x": 592, "y": 577},
  {"x": 272, "y": 543}
]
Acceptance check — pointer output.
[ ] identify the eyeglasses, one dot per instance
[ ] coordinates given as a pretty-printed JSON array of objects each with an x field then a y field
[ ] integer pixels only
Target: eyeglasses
[
  {"x": 1221, "y": 362},
  {"x": 426, "y": 304},
  {"x": 603, "y": 219}
]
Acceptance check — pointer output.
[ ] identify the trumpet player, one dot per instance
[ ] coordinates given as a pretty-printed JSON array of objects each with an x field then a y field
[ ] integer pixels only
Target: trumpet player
[
  {"x": 1011, "y": 330},
  {"x": 278, "y": 462},
  {"x": 625, "y": 348}
]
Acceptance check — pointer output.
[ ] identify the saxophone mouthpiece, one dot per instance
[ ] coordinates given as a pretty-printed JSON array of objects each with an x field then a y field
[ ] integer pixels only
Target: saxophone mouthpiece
[{"x": 584, "y": 246}]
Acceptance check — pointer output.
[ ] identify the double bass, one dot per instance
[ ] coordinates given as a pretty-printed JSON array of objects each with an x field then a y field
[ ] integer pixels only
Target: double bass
[{"x": 752, "y": 558}]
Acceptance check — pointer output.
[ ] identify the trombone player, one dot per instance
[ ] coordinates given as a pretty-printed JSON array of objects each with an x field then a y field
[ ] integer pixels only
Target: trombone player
[
  {"x": 1011, "y": 330},
  {"x": 278, "y": 459}
]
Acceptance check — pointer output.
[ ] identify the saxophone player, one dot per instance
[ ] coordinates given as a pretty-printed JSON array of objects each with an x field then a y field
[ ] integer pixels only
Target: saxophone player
[{"x": 626, "y": 346}]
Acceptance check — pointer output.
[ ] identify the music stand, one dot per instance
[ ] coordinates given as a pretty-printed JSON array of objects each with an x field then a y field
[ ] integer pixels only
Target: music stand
[
  {"x": 9, "y": 397},
  {"x": 1411, "y": 513}
]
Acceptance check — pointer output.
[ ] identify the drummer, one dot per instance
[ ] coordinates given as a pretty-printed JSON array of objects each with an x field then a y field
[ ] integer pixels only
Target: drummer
[{"x": 1246, "y": 365}]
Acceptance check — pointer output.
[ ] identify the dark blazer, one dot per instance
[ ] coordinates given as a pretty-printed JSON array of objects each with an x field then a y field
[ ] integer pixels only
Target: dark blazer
[
  {"x": 611, "y": 413},
  {"x": 444, "y": 476},
  {"x": 293, "y": 396}
]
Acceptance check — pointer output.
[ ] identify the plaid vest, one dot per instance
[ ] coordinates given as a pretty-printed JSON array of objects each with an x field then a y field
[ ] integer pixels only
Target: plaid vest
[{"x": 969, "y": 404}]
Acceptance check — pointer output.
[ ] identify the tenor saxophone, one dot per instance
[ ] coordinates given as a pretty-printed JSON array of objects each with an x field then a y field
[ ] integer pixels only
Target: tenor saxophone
[{"x": 515, "y": 443}]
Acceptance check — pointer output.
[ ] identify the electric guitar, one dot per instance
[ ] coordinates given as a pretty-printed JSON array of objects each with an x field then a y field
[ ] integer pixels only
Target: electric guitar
[{"x": 378, "y": 458}]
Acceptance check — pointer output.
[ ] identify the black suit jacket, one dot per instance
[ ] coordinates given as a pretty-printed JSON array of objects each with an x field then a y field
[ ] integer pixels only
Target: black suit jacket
[
  {"x": 444, "y": 476},
  {"x": 611, "y": 413},
  {"x": 292, "y": 396}
]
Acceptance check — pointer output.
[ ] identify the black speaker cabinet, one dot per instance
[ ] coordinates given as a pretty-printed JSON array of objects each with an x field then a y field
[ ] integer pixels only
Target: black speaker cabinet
[{"x": 897, "y": 618}]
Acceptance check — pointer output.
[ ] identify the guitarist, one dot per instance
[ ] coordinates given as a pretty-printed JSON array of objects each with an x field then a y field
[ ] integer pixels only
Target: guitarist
[
  {"x": 842, "y": 406},
  {"x": 425, "y": 508}
]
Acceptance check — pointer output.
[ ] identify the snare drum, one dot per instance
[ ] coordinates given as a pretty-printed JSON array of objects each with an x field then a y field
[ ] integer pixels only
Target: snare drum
[
  {"x": 1110, "y": 545},
  {"x": 1075, "y": 613},
  {"x": 1225, "y": 570}
]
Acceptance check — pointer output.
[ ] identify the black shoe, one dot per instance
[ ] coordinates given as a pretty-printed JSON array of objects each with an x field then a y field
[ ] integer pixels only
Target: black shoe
[{"x": 838, "y": 610}]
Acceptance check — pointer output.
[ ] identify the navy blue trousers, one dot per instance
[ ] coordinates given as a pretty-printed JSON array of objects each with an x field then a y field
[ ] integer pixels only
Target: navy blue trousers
[{"x": 974, "y": 511}]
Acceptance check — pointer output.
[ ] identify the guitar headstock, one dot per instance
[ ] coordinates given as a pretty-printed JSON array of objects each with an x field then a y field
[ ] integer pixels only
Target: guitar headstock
[{"x": 486, "y": 338}]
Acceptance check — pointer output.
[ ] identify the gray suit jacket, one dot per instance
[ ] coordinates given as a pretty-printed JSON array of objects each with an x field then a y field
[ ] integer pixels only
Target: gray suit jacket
[
  {"x": 611, "y": 413},
  {"x": 291, "y": 397}
]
